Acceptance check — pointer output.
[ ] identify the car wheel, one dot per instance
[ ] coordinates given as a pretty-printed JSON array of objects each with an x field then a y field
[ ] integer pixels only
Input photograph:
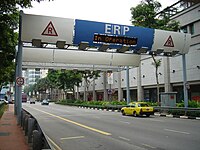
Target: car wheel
[
  {"x": 148, "y": 115},
  {"x": 134, "y": 114},
  {"x": 123, "y": 113}
]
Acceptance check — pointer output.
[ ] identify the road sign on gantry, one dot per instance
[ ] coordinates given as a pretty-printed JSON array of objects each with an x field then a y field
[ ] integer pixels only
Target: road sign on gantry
[
  {"x": 50, "y": 30},
  {"x": 47, "y": 29},
  {"x": 136, "y": 38},
  {"x": 113, "y": 34},
  {"x": 171, "y": 41}
]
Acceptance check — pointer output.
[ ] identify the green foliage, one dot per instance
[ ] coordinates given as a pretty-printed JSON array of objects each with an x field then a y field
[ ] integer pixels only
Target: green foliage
[
  {"x": 9, "y": 20},
  {"x": 191, "y": 104},
  {"x": 184, "y": 113},
  {"x": 156, "y": 62},
  {"x": 91, "y": 103},
  {"x": 53, "y": 78},
  {"x": 68, "y": 78},
  {"x": 9, "y": 16},
  {"x": 88, "y": 75},
  {"x": 145, "y": 15},
  {"x": 56, "y": 79},
  {"x": 2, "y": 109}
]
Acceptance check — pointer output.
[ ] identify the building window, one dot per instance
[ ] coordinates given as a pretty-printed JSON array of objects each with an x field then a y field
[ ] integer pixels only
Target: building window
[
  {"x": 191, "y": 28},
  {"x": 184, "y": 29}
]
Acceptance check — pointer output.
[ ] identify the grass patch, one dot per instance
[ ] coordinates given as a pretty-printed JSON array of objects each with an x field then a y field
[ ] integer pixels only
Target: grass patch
[{"x": 2, "y": 109}]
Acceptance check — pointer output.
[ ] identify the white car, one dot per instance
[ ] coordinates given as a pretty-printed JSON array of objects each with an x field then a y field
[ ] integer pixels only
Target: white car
[
  {"x": 45, "y": 102},
  {"x": 32, "y": 101}
]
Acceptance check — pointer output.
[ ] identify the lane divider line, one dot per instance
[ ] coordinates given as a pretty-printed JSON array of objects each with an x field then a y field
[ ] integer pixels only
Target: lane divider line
[
  {"x": 149, "y": 146},
  {"x": 71, "y": 138},
  {"x": 123, "y": 138},
  {"x": 176, "y": 131},
  {"x": 76, "y": 123}
]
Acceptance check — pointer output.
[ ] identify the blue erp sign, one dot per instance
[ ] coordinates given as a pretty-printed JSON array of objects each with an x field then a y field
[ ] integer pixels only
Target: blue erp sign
[{"x": 97, "y": 33}]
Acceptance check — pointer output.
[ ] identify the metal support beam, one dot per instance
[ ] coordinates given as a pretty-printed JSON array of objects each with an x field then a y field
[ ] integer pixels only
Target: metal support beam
[
  {"x": 19, "y": 72},
  {"x": 16, "y": 75},
  {"x": 185, "y": 81},
  {"x": 127, "y": 85}
]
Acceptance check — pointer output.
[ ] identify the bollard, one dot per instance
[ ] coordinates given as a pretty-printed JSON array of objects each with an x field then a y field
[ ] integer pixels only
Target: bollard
[
  {"x": 24, "y": 117},
  {"x": 31, "y": 124},
  {"x": 21, "y": 122},
  {"x": 26, "y": 124},
  {"x": 37, "y": 140}
]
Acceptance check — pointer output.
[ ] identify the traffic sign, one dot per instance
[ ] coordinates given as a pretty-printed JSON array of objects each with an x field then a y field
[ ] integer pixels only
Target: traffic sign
[
  {"x": 50, "y": 30},
  {"x": 20, "y": 81},
  {"x": 169, "y": 42}
]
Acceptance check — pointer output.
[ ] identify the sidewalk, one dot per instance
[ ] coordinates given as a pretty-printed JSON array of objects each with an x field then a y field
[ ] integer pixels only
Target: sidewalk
[{"x": 11, "y": 134}]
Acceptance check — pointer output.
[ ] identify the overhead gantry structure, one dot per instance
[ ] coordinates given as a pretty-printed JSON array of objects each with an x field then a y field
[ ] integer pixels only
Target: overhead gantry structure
[{"x": 52, "y": 42}]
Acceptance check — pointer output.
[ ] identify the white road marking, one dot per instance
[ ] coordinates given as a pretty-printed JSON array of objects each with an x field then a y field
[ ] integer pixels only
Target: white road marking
[
  {"x": 156, "y": 120},
  {"x": 125, "y": 122},
  {"x": 123, "y": 138},
  {"x": 96, "y": 117},
  {"x": 176, "y": 131},
  {"x": 75, "y": 137},
  {"x": 147, "y": 145}
]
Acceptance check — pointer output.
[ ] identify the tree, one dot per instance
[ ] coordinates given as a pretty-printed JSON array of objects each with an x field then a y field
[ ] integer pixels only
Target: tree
[
  {"x": 157, "y": 64},
  {"x": 88, "y": 77},
  {"x": 68, "y": 79},
  {"x": 145, "y": 15}
]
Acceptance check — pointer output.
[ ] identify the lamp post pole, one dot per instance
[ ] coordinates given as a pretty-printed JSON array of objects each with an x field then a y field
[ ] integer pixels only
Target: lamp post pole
[{"x": 19, "y": 72}]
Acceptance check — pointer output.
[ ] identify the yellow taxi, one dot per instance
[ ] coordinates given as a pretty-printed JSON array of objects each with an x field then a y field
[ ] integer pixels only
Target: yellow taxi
[{"x": 137, "y": 109}]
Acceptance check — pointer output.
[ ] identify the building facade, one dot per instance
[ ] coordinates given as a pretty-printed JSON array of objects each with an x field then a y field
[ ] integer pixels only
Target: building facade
[
  {"x": 142, "y": 80},
  {"x": 32, "y": 75}
]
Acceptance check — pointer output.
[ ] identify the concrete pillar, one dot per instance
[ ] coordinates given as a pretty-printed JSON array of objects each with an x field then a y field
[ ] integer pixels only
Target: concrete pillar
[
  {"x": 120, "y": 92},
  {"x": 37, "y": 140},
  {"x": 127, "y": 86},
  {"x": 168, "y": 87},
  {"x": 31, "y": 123},
  {"x": 140, "y": 90},
  {"x": 105, "y": 92}
]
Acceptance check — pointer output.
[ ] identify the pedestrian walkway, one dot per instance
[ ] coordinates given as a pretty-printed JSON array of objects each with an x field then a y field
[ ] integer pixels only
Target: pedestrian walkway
[{"x": 11, "y": 134}]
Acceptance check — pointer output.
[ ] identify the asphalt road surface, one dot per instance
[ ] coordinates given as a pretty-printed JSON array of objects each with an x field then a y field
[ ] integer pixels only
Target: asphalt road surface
[{"x": 73, "y": 128}]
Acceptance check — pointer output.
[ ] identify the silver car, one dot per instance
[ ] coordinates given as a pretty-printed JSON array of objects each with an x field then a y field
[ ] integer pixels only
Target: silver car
[{"x": 45, "y": 102}]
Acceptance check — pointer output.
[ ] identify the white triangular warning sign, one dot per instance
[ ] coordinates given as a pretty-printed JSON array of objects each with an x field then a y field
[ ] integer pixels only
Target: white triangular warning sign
[
  {"x": 169, "y": 42},
  {"x": 50, "y": 30}
]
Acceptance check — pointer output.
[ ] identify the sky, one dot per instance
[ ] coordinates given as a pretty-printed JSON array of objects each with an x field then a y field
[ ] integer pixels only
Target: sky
[{"x": 110, "y": 11}]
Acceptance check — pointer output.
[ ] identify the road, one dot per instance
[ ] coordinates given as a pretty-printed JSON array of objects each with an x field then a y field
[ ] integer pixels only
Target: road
[{"x": 73, "y": 128}]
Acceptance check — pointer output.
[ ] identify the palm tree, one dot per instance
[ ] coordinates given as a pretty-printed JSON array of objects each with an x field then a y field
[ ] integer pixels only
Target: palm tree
[{"x": 157, "y": 64}]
